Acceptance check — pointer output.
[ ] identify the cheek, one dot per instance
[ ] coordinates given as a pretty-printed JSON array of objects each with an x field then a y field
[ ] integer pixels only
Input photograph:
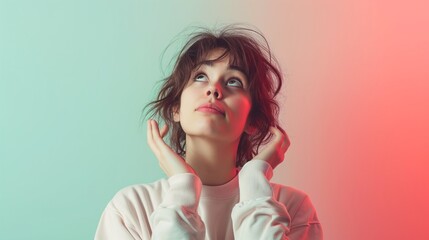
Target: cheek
[
  {"x": 187, "y": 100},
  {"x": 242, "y": 108}
]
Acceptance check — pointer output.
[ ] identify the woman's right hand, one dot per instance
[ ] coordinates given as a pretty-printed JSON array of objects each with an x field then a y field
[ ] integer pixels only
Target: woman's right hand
[{"x": 170, "y": 162}]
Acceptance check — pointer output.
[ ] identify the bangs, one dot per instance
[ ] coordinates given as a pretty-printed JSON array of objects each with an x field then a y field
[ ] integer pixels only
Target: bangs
[
  {"x": 233, "y": 62},
  {"x": 239, "y": 56}
]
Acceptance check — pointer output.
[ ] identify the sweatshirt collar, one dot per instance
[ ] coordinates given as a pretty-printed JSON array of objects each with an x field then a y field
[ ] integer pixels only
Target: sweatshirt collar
[{"x": 227, "y": 190}]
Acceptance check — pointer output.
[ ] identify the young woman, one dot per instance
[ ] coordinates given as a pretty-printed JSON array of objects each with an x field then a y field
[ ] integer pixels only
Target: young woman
[{"x": 219, "y": 103}]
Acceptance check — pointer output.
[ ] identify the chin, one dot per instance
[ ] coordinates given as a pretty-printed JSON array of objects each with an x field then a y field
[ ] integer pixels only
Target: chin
[
  {"x": 216, "y": 134},
  {"x": 204, "y": 129}
]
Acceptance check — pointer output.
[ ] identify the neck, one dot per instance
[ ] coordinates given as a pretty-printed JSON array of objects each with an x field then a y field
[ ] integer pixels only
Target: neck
[{"x": 213, "y": 161}]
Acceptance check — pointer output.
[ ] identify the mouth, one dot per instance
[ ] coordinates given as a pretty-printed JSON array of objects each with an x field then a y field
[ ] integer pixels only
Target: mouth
[{"x": 211, "y": 108}]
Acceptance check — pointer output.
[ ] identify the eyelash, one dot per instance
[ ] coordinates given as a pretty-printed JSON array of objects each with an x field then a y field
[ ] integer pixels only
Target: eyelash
[{"x": 233, "y": 78}]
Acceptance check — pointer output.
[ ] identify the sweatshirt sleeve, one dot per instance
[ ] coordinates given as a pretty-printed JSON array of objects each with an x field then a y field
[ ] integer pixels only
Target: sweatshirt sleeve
[
  {"x": 176, "y": 217},
  {"x": 259, "y": 216},
  {"x": 113, "y": 225}
]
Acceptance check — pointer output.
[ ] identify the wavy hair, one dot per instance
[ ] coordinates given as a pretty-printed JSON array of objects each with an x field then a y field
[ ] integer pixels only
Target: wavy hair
[{"x": 248, "y": 49}]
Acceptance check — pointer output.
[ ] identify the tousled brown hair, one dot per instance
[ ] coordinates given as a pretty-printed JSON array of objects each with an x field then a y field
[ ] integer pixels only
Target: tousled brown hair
[{"x": 247, "y": 49}]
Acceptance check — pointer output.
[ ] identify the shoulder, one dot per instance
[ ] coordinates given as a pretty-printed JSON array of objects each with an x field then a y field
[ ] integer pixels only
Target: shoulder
[
  {"x": 297, "y": 202},
  {"x": 139, "y": 197},
  {"x": 130, "y": 209},
  {"x": 288, "y": 194}
]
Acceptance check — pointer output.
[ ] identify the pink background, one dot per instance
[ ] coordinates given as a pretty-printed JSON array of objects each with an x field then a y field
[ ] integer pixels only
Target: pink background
[
  {"x": 357, "y": 112},
  {"x": 75, "y": 74}
]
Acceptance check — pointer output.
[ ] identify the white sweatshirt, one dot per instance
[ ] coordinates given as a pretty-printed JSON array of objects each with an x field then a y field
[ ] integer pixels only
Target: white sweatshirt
[{"x": 180, "y": 207}]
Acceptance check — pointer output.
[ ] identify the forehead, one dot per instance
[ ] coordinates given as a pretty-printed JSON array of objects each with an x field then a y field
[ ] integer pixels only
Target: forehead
[
  {"x": 217, "y": 53},
  {"x": 220, "y": 55}
]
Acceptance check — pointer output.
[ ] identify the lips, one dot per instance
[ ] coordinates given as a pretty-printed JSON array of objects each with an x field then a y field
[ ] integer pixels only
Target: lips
[{"x": 210, "y": 107}]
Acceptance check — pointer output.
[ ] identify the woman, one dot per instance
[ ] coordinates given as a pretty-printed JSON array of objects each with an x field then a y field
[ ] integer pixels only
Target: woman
[{"x": 219, "y": 103}]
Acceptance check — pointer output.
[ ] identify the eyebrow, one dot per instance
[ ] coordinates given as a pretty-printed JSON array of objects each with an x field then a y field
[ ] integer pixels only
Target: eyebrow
[
  {"x": 230, "y": 67},
  {"x": 237, "y": 68}
]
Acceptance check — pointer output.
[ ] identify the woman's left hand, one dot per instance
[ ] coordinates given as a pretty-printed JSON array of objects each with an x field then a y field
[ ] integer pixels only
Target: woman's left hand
[{"x": 274, "y": 151}]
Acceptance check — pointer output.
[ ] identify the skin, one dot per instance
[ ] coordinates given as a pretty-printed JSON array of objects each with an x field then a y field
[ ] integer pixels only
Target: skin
[{"x": 211, "y": 138}]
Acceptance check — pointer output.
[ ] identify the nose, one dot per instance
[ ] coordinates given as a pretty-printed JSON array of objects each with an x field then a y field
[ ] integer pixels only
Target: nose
[{"x": 215, "y": 91}]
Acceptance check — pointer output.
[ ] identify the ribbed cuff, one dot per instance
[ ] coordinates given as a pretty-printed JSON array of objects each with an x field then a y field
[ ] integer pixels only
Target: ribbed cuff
[
  {"x": 254, "y": 180},
  {"x": 185, "y": 191}
]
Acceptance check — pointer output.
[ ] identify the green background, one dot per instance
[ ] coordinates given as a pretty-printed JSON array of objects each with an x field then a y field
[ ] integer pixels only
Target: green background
[{"x": 75, "y": 76}]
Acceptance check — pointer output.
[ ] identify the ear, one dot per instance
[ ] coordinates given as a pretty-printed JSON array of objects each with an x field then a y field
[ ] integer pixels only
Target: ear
[
  {"x": 176, "y": 115},
  {"x": 249, "y": 129}
]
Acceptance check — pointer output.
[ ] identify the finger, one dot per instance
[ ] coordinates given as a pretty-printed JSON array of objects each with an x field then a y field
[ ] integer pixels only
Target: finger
[
  {"x": 164, "y": 130},
  {"x": 278, "y": 136},
  {"x": 281, "y": 129},
  {"x": 150, "y": 138},
  {"x": 156, "y": 135},
  {"x": 281, "y": 138},
  {"x": 149, "y": 131},
  {"x": 286, "y": 142},
  {"x": 155, "y": 130}
]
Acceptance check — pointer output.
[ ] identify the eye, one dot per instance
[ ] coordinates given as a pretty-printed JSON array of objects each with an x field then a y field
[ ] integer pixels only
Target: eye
[
  {"x": 200, "y": 77},
  {"x": 234, "y": 82}
]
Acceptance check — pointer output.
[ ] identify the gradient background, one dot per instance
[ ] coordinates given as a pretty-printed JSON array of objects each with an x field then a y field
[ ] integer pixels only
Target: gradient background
[{"x": 75, "y": 75}]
